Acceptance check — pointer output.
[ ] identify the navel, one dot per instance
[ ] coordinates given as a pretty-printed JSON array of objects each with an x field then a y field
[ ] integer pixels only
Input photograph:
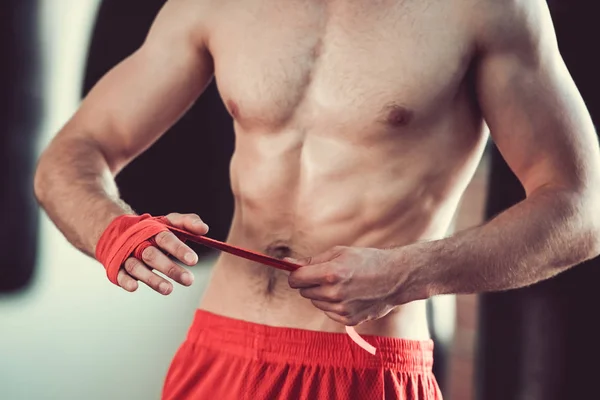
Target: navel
[{"x": 278, "y": 250}]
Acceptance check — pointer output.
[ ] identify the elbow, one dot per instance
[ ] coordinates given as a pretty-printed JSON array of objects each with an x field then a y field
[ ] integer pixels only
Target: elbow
[
  {"x": 596, "y": 247},
  {"x": 589, "y": 218},
  {"x": 593, "y": 213},
  {"x": 595, "y": 235},
  {"x": 44, "y": 180},
  {"x": 40, "y": 183},
  {"x": 592, "y": 244},
  {"x": 577, "y": 221}
]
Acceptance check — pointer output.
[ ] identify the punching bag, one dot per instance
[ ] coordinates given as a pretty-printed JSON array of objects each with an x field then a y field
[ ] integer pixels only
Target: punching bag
[
  {"x": 541, "y": 342},
  {"x": 187, "y": 170},
  {"x": 20, "y": 118}
]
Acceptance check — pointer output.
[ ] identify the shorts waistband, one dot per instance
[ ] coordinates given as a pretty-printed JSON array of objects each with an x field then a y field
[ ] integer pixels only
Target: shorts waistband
[{"x": 292, "y": 345}]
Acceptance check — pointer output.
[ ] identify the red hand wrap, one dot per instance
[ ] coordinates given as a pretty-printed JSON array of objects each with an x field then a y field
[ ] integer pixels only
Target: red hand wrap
[{"x": 127, "y": 235}]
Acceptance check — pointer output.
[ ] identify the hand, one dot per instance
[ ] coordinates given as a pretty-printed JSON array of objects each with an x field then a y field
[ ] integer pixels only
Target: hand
[
  {"x": 352, "y": 285},
  {"x": 155, "y": 258}
]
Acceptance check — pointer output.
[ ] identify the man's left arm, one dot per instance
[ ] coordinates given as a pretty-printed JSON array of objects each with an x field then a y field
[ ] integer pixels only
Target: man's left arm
[{"x": 543, "y": 130}]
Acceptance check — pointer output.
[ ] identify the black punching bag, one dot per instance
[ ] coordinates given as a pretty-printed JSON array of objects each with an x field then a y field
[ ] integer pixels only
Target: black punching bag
[
  {"x": 541, "y": 342},
  {"x": 20, "y": 118},
  {"x": 187, "y": 170}
]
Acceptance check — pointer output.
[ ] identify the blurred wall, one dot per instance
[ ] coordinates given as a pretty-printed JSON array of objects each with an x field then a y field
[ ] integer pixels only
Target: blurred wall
[
  {"x": 71, "y": 334},
  {"x": 20, "y": 118}
]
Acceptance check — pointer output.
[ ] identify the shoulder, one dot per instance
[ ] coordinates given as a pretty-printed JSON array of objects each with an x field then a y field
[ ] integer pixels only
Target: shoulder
[
  {"x": 183, "y": 19},
  {"x": 510, "y": 24}
]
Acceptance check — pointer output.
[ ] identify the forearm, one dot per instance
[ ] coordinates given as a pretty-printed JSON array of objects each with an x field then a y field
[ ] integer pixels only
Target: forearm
[
  {"x": 75, "y": 186},
  {"x": 534, "y": 240}
]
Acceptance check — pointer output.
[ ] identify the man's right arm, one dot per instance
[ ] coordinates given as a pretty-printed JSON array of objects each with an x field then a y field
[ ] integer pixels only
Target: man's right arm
[{"x": 127, "y": 111}]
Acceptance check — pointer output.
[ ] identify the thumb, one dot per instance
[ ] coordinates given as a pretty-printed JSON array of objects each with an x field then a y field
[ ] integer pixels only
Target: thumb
[
  {"x": 318, "y": 259},
  {"x": 299, "y": 261},
  {"x": 189, "y": 222}
]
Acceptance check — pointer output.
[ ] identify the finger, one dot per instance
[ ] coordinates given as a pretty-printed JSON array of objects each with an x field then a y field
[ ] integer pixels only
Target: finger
[
  {"x": 339, "y": 318},
  {"x": 156, "y": 259},
  {"x": 331, "y": 294},
  {"x": 320, "y": 258},
  {"x": 189, "y": 222},
  {"x": 172, "y": 245},
  {"x": 313, "y": 275},
  {"x": 306, "y": 279},
  {"x": 349, "y": 320},
  {"x": 336, "y": 308},
  {"x": 138, "y": 270},
  {"x": 126, "y": 282}
]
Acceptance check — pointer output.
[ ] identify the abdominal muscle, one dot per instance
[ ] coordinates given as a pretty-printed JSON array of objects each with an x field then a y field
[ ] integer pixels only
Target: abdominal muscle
[{"x": 300, "y": 210}]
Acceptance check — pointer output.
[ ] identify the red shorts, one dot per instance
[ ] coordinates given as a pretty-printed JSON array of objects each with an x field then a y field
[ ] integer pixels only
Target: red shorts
[{"x": 224, "y": 358}]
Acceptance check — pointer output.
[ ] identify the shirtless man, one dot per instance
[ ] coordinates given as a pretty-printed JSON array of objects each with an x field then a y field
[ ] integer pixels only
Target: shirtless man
[{"x": 358, "y": 126}]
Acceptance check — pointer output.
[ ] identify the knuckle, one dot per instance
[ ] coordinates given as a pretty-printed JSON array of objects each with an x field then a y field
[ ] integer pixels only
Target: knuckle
[
  {"x": 347, "y": 319},
  {"x": 343, "y": 273},
  {"x": 149, "y": 255},
  {"x": 162, "y": 238},
  {"x": 336, "y": 294},
  {"x": 130, "y": 265},
  {"x": 180, "y": 248},
  {"x": 193, "y": 217},
  {"x": 122, "y": 279},
  {"x": 172, "y": 271},
  {"x": 343, "y": 311},
  {"x": 173, "y": 217},
  {"x": 331, "y": 278},
  {"x": 153, "y": 281}
]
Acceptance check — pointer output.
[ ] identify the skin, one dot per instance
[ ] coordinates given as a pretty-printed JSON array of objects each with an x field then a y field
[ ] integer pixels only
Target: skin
[{"x": 358, "y": 127}]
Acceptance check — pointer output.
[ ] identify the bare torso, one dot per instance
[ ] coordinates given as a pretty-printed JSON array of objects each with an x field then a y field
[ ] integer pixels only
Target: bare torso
[{"x": 356, "y": 124}]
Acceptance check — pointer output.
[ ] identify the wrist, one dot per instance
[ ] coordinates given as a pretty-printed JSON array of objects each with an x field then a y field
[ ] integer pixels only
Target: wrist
[
  {"x": 105, "y": 218},
  {"x": 413, "y": 273}
]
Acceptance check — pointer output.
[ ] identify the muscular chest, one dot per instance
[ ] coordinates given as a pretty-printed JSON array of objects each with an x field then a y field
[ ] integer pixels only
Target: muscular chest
[{"x": 359, "y": 62}]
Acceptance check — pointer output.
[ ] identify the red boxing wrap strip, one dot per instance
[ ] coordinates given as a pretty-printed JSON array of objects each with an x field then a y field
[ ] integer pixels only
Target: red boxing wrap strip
[
  {"x": 131, "y": 234},
  {"x": 127, "y": 235}
]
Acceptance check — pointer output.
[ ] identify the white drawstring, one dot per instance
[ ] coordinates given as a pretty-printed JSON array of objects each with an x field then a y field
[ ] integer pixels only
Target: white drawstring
[{"x": 359, "y": 340}]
